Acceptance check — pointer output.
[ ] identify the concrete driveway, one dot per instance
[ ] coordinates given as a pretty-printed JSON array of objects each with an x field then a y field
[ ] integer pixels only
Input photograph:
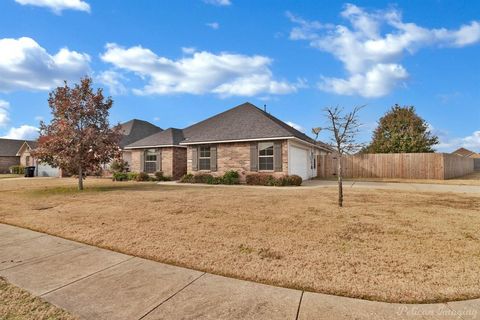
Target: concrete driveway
[{"x": 94, "y": 283}]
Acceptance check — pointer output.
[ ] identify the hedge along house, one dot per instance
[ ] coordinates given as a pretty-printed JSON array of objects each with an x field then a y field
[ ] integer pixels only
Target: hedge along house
[
  {"x": 249, "y": 140},
  {"x": 160, "y": 152}
]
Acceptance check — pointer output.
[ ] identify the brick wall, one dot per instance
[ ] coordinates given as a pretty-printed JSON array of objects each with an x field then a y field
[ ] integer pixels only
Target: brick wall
[
  {"x": 7, "y": 162},
  {"x": 173, "y": 161},
  {"x": 236, "y": 156},
  {"x": 135, "y": 160},
  {"x": 23, "y": 159}
]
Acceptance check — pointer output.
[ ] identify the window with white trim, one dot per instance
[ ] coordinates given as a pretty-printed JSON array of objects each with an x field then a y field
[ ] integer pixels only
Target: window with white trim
[
  {"x": 150, "y": 161},
  {"x": 265, "y": 156},
  {"x": 204, "y": 158}
]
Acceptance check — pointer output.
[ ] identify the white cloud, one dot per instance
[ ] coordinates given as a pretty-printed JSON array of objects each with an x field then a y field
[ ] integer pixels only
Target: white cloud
[
  {"x": 376, "y": 82},
  {"x": 218, "y": 2},
  {"x": 26, "y": 65},
  {"x": 225, "y": 74},
  {"x": 57, "y": 6},
  {"x": 23, "y": 132},
  {"x": 188, "y": 50},
  {"x": 471, "y": 142},
  {"x": 114, "y": 81},
  {"x": 370, "y": 54},
  {"x": 4, "y": 118},
  {"x": 213, "y": 25},
  {"x": 296, "y": 126}
]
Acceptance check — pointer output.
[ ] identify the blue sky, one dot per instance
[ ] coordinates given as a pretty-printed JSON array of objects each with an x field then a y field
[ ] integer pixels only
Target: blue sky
[{"x": 177, "y": 62}]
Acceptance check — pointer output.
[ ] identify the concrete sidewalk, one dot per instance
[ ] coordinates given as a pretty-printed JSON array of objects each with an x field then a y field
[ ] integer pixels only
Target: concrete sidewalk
[
  {"x": 407, "y": 186},
  {"x": 94, "y": 283},
  {"x": 309, "y": 184}
]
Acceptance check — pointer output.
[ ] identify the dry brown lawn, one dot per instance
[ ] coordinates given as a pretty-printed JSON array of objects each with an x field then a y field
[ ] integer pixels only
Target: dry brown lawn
[
  {"x": 383, "y": 245},
  {"x": 16, "y": 304}
]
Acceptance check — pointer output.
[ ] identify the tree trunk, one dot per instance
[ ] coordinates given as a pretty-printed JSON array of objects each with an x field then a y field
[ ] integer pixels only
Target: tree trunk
[
  {"x": 80, "y": 178},
  {"x": 340, "y": 181}
]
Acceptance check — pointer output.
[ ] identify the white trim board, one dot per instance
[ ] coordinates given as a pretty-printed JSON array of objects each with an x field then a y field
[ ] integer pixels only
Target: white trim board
[{"x": 157, "y": 146}]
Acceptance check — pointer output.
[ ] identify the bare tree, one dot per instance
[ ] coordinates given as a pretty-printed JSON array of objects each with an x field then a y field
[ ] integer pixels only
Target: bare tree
[{"x": 344, "y": 128}]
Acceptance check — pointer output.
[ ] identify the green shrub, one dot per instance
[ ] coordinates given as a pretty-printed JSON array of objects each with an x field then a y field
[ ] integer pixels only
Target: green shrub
[
  {"x": 231, "y": 177},
  {"x": 120, "y": 176},
  {"x": 160, "y": 177},
  {"x": 203, "y": 178},
  {"x": 294, "y": 180},
  {"x": 132, "y": 176},
  {"x": 217, "y": 180},
  {"x": 17, "y": 169},
  {"x": 119, "y": 165},
  {"x": 187, "y": 178},
  {"x": 261, "y": 179},
  {"x": 143, "y": 176}
]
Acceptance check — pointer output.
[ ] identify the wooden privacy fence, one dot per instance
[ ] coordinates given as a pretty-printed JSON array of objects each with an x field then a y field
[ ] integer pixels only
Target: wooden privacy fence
[{"x": 396, "y": 165}]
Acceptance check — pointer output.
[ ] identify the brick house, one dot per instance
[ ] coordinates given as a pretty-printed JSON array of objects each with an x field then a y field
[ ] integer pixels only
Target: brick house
[
  {"x": 250, "y": 140},
  {"x": 27, "y": 160},
  {"x": 8, "y": 154},
  {"x": 245, "y": 139},
  {"x": 160, "y": 152},
  {"x": 132, "y": 131}
]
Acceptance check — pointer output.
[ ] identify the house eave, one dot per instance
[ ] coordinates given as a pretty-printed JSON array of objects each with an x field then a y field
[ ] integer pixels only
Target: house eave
[
  {"x": 311, "y": 144},
  {"x": 257, "y": 139},
  {"x": 234, "y": 140},
  {"x": 19, "y": 154},
  {"x": 155, "y": 146}
]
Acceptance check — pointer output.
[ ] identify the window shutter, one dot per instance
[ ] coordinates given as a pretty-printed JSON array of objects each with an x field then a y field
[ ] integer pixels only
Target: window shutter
[
  {"x": 142, "y": 161},
  {"x": 195, "y": 158},
  {"x": 254, "y": 157},
  {"x": 277, "y": 156},
  {"x": 159, "y": 159},
  {"x": 213, "y": 158}
]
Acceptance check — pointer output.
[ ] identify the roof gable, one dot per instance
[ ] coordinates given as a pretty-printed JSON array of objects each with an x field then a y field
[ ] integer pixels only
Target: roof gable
[
  {"x": 10, "y": 147},
  {"x": 135, "y": 130},
  {"x": 463, "y": 152},
  {"x": 168, "y": 137}
]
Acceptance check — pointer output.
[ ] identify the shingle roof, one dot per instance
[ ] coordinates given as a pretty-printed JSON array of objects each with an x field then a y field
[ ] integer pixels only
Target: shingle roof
[
  {"x": 135, "y": 130},
  {"x": 168, "y": 137},
  {"x": 242, "y": 122},
  {"x": 463, "y": 152},
  {"x": 10, "y": 147}
]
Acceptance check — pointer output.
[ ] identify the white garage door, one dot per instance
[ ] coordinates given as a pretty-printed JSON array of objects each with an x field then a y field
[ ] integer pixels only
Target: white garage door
[
  {"x": 44, "y": 170},
  {"x": 299, "y": 162}
]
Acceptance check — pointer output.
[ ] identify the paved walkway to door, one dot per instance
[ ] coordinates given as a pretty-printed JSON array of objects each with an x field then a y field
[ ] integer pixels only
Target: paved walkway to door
[{"x": 94, "y": 283}]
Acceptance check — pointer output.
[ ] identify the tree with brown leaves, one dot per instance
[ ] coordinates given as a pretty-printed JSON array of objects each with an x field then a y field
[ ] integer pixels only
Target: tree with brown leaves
[
  {"x": 344, "y": 128},
  {"x": 79, "y": 138}
]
